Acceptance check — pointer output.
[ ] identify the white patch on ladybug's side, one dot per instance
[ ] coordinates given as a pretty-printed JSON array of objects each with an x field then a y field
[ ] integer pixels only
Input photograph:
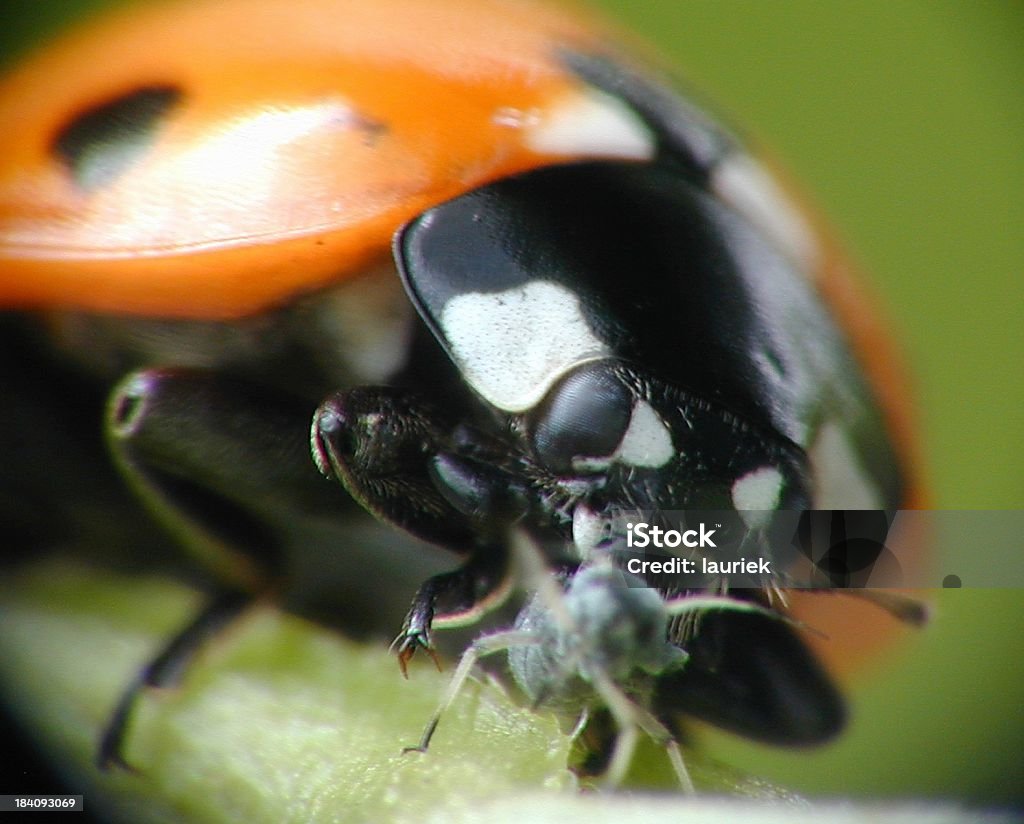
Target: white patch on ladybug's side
[
  {"x": 512, "y": 346},
  {"x": 756, "y": 495},
  {"x": 591, "y": 124},
  {"x": 647, "y": 441},
  {"x": 748, "y": 187},
  {"x": 588, "y": 530},
  {"x": 840, "y": 480}
]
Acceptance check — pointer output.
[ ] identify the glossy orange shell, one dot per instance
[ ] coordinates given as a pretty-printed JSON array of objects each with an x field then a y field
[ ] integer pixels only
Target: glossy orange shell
[{"x": 307, "y": 131}]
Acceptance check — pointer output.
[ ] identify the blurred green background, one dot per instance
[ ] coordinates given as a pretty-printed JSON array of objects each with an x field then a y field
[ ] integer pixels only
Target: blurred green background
[{"x": 904, "y": 121}]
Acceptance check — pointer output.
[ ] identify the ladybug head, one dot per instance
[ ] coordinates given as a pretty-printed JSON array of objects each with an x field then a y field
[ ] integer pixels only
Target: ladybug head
[
  {"x": 602, "y": 310},
  {"x": 638, "y": 443}
]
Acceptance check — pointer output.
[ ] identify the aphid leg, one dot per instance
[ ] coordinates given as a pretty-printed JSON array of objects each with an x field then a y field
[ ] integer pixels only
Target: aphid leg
[
  {"x": 481, "y": 647},
  {"x": 533, "y": 570},
  {"x": 165, "y": 670},
  {"x": 631, "y": 718},
  {"x": 675, "y": 758}
]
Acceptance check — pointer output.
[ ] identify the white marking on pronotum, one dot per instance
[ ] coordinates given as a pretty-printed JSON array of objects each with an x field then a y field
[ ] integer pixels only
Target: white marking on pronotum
[
  {"x": 756, "y": 494},
  {"x": 594, "y": 124},
  {"x": 512, "y": 346},
  {"x": 841, "y": 480}
]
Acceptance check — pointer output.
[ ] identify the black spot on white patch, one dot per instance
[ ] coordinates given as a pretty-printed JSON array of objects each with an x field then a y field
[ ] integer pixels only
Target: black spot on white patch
[{"x": 102, "y": 142}]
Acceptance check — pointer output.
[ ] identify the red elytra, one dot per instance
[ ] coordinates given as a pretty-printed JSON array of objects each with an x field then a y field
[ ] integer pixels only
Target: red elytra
[{"x": 304, "y": 133}]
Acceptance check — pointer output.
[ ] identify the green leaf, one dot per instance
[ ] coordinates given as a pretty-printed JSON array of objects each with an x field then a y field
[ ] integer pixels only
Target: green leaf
[{"x": 281, "y": 720}]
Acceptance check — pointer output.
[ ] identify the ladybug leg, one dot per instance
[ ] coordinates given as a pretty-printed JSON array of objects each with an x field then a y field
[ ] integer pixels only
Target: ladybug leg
[
  {"x": 380, "y": 442},
  {"x": 225, "y": 467},
  {"x": 222, "y": 463},
  {"x": 393, "y": 452},
  {"x": 453, "y": 599},
  {"x": 166, "y": 670}
]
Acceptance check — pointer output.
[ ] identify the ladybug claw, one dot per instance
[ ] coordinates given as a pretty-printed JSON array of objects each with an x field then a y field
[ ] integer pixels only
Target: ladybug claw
[
  {"x": 407, "y": 750},
  {"x": 407, "y": 644},
  {"x": 108, "y": 762}
]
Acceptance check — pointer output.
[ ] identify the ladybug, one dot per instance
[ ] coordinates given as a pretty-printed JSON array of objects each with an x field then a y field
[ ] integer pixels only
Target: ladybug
[{"x": 515, "y": 279}]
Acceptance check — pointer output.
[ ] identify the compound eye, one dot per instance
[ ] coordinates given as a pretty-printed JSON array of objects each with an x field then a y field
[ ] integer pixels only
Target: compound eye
[{"x": 581, "y": 420}]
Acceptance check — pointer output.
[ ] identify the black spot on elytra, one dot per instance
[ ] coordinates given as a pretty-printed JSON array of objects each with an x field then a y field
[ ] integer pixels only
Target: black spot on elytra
[{"x": 102, "y": 142}]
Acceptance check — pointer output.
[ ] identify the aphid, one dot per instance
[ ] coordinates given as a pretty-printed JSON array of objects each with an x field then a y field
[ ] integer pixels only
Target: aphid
[{"x": 601, "y": 639}]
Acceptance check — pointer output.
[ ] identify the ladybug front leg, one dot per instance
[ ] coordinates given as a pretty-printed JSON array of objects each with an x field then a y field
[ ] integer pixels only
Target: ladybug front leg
[
  {"x": 166, "y": 669},
  {"x": 393, "y": 452},
  {"x": 454, "y": 599},
  {"x": 224, "y": 466}
]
